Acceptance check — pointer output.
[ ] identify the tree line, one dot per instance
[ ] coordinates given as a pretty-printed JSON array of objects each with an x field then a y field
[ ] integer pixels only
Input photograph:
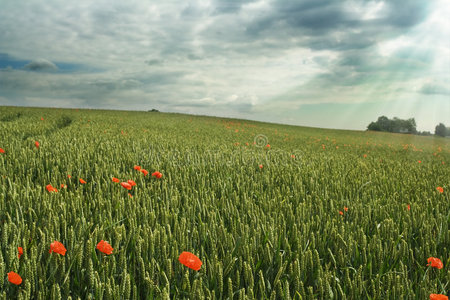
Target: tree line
[{"x": 408, "y": 126}]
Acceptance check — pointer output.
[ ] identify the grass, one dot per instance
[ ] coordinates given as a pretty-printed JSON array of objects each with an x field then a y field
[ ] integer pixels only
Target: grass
[{"x": 262, "y": 233}]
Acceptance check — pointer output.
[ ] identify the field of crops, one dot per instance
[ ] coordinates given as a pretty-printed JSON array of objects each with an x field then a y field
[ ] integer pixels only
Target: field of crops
[{"x": 272, "y": 211}]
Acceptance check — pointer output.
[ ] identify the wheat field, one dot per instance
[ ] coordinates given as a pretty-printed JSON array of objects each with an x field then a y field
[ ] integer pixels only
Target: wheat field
[{"x": 272, "y": 211}]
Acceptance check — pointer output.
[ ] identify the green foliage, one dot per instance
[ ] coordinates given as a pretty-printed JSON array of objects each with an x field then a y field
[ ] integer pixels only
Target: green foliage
[
  {"x": 63, "y": 121},
  {"x": 395, "y": 125},
  {"x": 262, "y": 233},
  {"x": 441, "y": 130}
]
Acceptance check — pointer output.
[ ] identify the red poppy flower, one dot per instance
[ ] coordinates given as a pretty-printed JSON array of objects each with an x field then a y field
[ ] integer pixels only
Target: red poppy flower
[
  {"x": 419, "y": 161},
  {"x": 126, "y": 185},
  {"x": 20, "y": 249},
  {"x": 131, "y": 182},
  {"x": 435, "y": 262},
  {"x": 50, "y": 188},
  {"x": 345, "y": 208},
  {"x": 261, "y": 166},
  {"x": 82, "y": 181},
  {"x": 129, "y": 195},
  {"x": 157, "y": 174},
  {"x": 57, "y": 247},
  {"x": 144, "y": 171},
  {"x": 438, "y": 297},
  {"x": 42, "y": 119},
  {"x": 267, "y": 146},
  {"x": 63, "y": 186},
  {"x": 190, "y": 260},
  {"x": 36, "y": 144},
  {"x": 292, "y": 156},
  {"x": 341, "y": 213},
  {"x": 2, "y": 151},
  {"x": 14, "y": 278},
  {"x": 440, "y": 189},
  {"x": 365, "y": 155},
  {"x": 114, "y": 179},
  {"x": 69, "y": 176},
  {"x": 137, "y": 168},
  {"x": 408, "y": 207},
  {"x": 104, "y": 247}
]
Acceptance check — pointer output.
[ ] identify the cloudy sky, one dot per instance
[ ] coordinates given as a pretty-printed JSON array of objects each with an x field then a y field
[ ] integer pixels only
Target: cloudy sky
[{"x": 323, "y": 63}]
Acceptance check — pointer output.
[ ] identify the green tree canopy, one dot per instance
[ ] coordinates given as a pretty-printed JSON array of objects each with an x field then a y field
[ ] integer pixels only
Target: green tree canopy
[
  {"x": 395, "y": 125},
  {"x": 441, "y": 130}
]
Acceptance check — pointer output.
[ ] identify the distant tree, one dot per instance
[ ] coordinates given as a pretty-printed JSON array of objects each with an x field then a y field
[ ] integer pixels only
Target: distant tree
[
  {"x": 395, "y": 125},
  {"x": 385, "y": 124},
  {"x": 441, "y": 130},
  {"x": 410, "y": 125},
  {"x": 153, "y": 110},
  {"x": 374, "y": 126}
]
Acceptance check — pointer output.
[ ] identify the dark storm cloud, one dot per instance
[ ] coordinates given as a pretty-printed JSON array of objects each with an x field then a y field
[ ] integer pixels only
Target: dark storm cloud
[
  {"x": 136, "y": 90},
  {"x": 325, "y": 24},
  {"x": 435, "y": 89},
  {"x": 41, "y": 65},
  {"x": 313, "y": 16},
  {"x": 154, "y": 62},
  {"x": 229, "y": 6},
  {"x": 404, "y": 14},
  {"x": 370, "y": 62}
]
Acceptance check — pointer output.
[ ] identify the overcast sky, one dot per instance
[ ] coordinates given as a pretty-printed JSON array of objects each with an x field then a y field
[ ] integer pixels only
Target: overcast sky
[{"x": 323, "y": 63}]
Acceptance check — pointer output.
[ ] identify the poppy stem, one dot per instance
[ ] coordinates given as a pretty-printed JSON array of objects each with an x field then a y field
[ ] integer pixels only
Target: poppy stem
[
  {"x": 54, "y": 272},
  {"x": 425, "y": 273},
  {"x": 114, "y": 224}
]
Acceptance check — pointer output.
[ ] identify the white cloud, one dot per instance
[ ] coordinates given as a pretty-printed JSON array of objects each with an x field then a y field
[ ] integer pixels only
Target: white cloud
[{"x": 365, "y": 10}]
